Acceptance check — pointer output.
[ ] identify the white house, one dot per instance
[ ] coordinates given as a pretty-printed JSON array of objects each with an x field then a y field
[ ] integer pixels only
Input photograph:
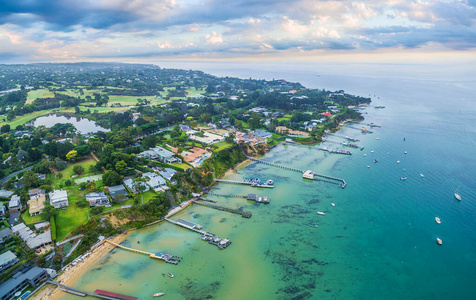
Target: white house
[{"x": 59, "y": 198}]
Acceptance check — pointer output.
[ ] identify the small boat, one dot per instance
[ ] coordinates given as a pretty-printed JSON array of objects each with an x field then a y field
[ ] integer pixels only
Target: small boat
[
  {"x": 437, "y": 220},
  {"x": 321, "y": 213},
  {"x": 170, "y": 275},
  {"x": 403, "y": 178},
  {"x": 421, "y": 175},
  {"x": 405, "y": 152},
  {"x": 333, "y": 204},
  {"x": 158, "y": 294},
  {"x": 372, "y": 151},
  {"x": 368, "y": 166},
  {"x": 377, "y": 138},
  {"x": 457, "y": 196},
  {"x": 439, "y": 241},
  {"x": 138, "y": 242},
  {"x": 313, "y": 225},
  {"x": 365, "y": 154},
  {"x": 398, "y": 161},
  {"x": 375, "y": 160}
]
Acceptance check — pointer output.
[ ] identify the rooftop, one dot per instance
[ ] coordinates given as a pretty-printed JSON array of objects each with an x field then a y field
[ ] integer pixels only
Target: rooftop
[{"x": 6, "y": 257}]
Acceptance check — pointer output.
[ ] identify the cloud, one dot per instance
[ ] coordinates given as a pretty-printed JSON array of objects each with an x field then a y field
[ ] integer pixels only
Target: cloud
[{"x": 214, "y": 38}]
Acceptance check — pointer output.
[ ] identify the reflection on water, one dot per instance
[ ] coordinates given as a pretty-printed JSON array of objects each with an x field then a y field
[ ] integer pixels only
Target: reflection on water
[{"x": 83, "y": 125}]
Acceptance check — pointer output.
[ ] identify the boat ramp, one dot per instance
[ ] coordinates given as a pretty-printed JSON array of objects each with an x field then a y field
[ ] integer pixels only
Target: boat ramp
[
  {"x": 168, "y": 258},
  {"x": 244, "y": 214},
  {"x": 251, "y": 197},
  {"x": 206, "y": 236},
  {"x": 250, "y": 183},
  {"x": 317, "y": 177}
]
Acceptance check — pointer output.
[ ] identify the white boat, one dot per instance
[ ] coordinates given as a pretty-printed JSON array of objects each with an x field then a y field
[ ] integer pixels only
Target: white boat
[
  {"x": 333, "y": 204},
  {"x": 170, "y": 275},
  {"x": 368, "y": 166},
  {"x": 372, "y": 151},
  {"x": 403, "y": 178},
  {"x": 421, "y": 175},
  {"x": 377, "y": 138},
  {"x": 457, "y": 196},
  {"x": 405, "y": 152},
  {"x": 439, "y": 241},
  {"x": 365, "y": 154},
  {"x": 321, "y": 213},
  {"x": 158, "y": 294},
  {"x": 398, "y": 161},
  {"x": 437, "y": 220}
]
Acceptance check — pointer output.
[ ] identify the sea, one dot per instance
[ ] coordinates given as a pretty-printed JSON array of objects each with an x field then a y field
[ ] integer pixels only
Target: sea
[{"x": 377, "y": 242}]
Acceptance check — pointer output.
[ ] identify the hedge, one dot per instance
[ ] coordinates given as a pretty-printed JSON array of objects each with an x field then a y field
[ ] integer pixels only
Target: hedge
[{"x": 53, "y": 228}]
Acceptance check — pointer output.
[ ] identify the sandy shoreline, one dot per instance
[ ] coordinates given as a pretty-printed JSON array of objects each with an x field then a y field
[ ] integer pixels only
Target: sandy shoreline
[
  {"x": 50, "y": 292},
  {"x": 238, "y": 166}
]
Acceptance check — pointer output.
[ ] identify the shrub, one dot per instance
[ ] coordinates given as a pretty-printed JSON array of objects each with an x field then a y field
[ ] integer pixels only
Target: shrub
[
  {"x": 97, "y": 210},
  {"x": 67, "y": 182},
  {"x": 53, "y": 228},
  {"x": 82, "y": 203}
]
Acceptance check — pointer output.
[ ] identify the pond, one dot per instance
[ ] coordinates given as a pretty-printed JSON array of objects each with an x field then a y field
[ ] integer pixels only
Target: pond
[{"x": 83, "y": 125}]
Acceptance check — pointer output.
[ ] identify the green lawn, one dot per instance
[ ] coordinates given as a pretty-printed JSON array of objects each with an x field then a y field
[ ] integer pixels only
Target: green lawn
[
  {"x": 183, "y": 166},
  {"x": 29, "y": 219},
  {"x": 85, "y": 163},
  {"x": 222, "y": 146},
  {"x": 20, "y": 120},
  {"x": 282, "y": 119},
  {"x": 129, "y": 100},
  {"x": 73, "y": 216},
  {"x": 147, "y": 196},
  {"x": 192, "y": 92},
  {"x": 40, "y": 93}
]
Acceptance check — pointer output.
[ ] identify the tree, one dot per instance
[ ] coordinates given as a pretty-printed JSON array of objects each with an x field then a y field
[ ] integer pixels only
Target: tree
[
  {"x": 150, "y": 141},
  {"x": 91, "y": 186},
  {"x": 78, "y": 170},
  {"x": 30, "y": 179},
  {"x": 96, "y": 210},
  {"x": 5, "y": 128},
  {"x": 49, "y": 211},
  {"x": 67, "y": 182},
  {"x": 72, "y": 155},
  {"x": 121, "y": 165},
  {"x": 111, "y": 178}
]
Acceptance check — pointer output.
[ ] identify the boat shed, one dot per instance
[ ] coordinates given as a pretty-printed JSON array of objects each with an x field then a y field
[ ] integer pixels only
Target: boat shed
[{"x": 188, "y": 224}]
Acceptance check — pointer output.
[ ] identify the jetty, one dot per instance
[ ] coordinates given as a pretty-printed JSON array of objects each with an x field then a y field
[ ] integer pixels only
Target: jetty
[
  {"x": 244, "y": 214},
  {"x": 339, "y": 181},
  {"x": 343, "y": 136},
  {"x": 337, "y": 151},
  {"x": 206, "y": 236},
  {"x": 168, "y": 258},
  {"x": 81, "y": 293},
  {"x": 361, "y": 129},
  {"x": 252, "y": 197},
  {"x": 253, "y": 184}
]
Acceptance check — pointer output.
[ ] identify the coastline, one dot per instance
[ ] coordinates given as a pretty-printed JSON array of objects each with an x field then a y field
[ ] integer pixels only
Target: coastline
[{"x": 50, "y": 292}]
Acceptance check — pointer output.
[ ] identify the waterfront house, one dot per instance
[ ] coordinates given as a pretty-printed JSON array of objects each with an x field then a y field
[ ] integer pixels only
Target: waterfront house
[
  {"x": 155, "y": 181},
  {"x": 97, "y": 199},
  {"x": 117, "y": 190},
  {"x": 29, "y": 276},
  {"x": 59, "y": 198},
  {"x": 262, "y": 134},
  {"x": 133, "y": 186},
  {"x": 167, "y": 173},
  {"x": 7, "y": 260},
  {"x": 160, "y": 154},
  {"x": 14, "y": 204}
]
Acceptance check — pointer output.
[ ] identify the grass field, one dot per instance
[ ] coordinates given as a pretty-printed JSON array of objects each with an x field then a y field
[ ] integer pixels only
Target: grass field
[
  {"x": 132, "y": 100},
  {"x": 20, "y": 120},
  {"x": 182, "y": 166},
  {"x": 73, "y": 216},
  {"x": 40, "y": 93},
  {"x": 29, "y": 219},
  {"x": 222, "y": 146}
]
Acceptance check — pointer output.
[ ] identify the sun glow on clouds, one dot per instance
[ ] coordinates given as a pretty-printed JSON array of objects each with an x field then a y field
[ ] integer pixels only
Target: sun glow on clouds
[{"x": 115, "y": 29}]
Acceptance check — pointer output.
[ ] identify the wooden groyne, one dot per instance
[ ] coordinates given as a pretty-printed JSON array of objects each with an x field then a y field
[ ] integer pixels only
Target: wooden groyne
[
  {"x": 168, "y": 258},
  {"x": 244, "y": 214}
]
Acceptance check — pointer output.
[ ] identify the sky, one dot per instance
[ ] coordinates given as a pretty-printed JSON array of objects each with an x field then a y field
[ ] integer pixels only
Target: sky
[{"x": 236, "y": 30}]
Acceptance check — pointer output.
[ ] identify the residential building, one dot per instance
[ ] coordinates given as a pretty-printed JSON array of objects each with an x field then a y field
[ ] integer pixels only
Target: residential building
[
  {"x": 262, "y": 134},
  {"x": 160, "y": 154},
  {"x": 155, "y": 181},
  {"x": 290, "y": 132},
  {"x": 32, "y": 240},
  {"x": 134, "y": 186},
  {"x": 37, "y": 201},
  {"x": 192, "y": 156},
  {"x": 207, "y": 138},
  {"x": 29, "y": 276},
  {"x": 3, "y": 211},
  {"x": 167, "y": 173},
  {"x": 185, "y": 128},
  {"x": 15, "y": 204},
  {"x": 97, "y": 199},
  {"x": 5, "y": 233},
  {"x": 7, "y": 260},
  {"x": 5, "y": 193},
  {"x": 117, "y": 190},
  {"x": 42, "y": 225},
  {"x": 59, "y": 198}
]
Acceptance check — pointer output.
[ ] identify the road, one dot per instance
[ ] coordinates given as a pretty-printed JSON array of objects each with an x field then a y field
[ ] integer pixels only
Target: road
[{"x": 3, "y": 180}]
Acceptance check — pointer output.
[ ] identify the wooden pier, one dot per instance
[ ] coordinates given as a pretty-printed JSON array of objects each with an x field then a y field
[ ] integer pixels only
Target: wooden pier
[
  {"x": 252, "y": 197},
  {"x": 343, "y": 136},
  {"x": 168, "y": 258},
  {"x": 244, "y": 214},
  {"x": 253, "y": 184},
  {"x": 77, "y": 292},
  {"x": 341, "y": 181}
]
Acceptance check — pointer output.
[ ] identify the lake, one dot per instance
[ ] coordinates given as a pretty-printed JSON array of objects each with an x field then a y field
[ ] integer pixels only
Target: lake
[{"x": 83, "y": 125}]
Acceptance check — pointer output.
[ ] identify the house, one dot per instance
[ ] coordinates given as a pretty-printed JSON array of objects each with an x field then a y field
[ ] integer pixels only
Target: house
[
  {"x": 36, "y": 205},
  {"x": 34, "y": 193},
  {"x": 7, "y": 260},
  {"x": 160, "y": 154},
  {"x": 32, "y": 240},
  {"x": 29, "y": 276},
  {"x": 5, "y": 233},
  {"x": 154, "y": 181},
  {"x": 59, "y": 198},
  {"x": 3, "y": 211},
  {"x": 97, "y": 199},
  {"x": 134, "y": 186},
  {"x": 117, "y": 190},
  {"x": 17, "y": 185},
  {"x": 262, "y": 134},
  {"x": 185, "y": 128},
  {"x": 5, "y": 194},
  {"x": 327, "y": 114},
  {"x": 42, "y": 225},
  {"x": 15, "y": 204},
  {"x": 207, "y": 138},
  {"x": 135, "y": 116},
  {"x": 167, "y": 173}
]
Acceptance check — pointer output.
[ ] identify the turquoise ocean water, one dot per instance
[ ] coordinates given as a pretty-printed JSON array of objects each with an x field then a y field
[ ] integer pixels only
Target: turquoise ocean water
[{"x": 378, "y": 242}]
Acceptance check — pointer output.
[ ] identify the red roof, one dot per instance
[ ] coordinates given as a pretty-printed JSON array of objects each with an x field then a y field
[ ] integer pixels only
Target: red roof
[
  {"x": 327, "y": 113},
  {"x": 115, "y": 295}
]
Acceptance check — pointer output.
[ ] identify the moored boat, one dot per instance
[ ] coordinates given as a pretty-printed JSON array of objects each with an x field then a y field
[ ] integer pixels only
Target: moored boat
[
  {"x": 439, "y": 241},
  {"x": 158, "y": 294},
  {"x": 421, "y": 175},
  {"x": 437, "y": 220},
  {"x": 333, "y": 204},
  {"x": 457, "y": 196},
  {"x": 403, "y": 178},
  {"x": 321, "y": 213},
  {"x": 170, "y": 275}
]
